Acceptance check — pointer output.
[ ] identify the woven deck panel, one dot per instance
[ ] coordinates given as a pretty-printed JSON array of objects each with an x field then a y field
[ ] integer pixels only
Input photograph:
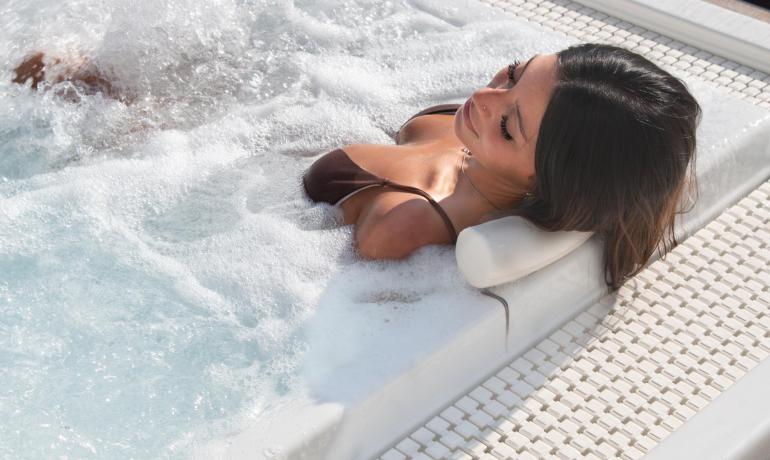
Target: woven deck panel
[
  {"x": 623, "y": 375},
  {"x": 589, "y": 25}
]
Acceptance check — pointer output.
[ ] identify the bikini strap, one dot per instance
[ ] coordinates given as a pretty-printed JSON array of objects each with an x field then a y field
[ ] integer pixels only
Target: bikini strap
[{"x": 447, "y": 221}]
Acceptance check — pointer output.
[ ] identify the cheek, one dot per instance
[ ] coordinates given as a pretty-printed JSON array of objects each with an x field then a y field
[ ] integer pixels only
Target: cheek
[
  {"x": 519, "y": 164},
  {"x": 528, "y": 167}
]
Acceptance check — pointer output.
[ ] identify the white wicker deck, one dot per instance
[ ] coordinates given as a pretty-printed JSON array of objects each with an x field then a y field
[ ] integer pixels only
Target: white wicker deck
[
  {"x": 589, "y": 25},
  {"x": 622, "y": 376}
]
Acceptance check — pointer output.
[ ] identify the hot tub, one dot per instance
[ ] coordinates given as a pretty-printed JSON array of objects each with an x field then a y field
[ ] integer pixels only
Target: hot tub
[{"x": 168, "y": 290}]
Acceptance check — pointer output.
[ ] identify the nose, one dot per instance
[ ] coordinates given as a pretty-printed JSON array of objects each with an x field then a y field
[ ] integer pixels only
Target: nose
[{"x": 484, "y": 100}]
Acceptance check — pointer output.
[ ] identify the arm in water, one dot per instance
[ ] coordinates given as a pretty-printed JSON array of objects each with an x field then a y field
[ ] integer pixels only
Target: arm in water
[{"x": 82, "y": 73}]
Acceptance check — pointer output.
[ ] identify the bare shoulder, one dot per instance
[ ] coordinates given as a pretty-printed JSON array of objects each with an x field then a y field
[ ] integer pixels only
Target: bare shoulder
[
  {"x": 395, "y": 224},
  {"x": 359, "y": 151},
  {"x": 426, "y": 128}
]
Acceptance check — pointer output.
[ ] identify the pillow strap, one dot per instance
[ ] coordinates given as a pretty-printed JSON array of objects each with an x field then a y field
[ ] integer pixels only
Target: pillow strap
[{"x": 489, "y": 293}]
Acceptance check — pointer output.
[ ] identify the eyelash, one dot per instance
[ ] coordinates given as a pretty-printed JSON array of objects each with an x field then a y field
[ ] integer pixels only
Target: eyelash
[
  {"x": 504, "y": 129},
  {"x": 511, "y": 69},
  {"x": 504, "y": 120}
]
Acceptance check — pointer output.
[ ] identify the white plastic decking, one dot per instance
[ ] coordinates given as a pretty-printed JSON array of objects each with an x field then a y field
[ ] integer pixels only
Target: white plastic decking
[
  {"x": 589, "y": 25},
  {"x": 673, "y": 365},
  {"x": 622, "y": 376}
]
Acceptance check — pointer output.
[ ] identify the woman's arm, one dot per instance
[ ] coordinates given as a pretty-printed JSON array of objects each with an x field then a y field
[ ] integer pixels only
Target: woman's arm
[
  {"x": 81, "y": 71},
  {"x": 31, "y": 68}
]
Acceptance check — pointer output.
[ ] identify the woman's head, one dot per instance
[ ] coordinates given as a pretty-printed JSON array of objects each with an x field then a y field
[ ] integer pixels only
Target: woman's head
[
  {"x": 614, "y": 144},
  {"x": 500, "y": 122}
]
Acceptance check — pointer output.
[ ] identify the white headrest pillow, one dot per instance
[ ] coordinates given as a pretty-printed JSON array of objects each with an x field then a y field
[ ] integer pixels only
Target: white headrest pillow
[{"x": 509, "y": 248}]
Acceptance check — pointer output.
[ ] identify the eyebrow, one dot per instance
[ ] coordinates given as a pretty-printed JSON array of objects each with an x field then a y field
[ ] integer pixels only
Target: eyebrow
[{"x": 518, "y": 110}]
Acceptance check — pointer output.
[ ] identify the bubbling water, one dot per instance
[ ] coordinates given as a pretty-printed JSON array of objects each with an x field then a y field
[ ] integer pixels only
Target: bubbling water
[{"x": 159, "y": 261}]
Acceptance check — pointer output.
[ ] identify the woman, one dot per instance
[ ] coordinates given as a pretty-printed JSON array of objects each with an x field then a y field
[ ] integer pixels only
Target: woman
[{"x": 593, "y": 138}]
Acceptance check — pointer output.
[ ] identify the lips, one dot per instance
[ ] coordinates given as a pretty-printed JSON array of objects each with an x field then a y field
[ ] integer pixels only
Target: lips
[{"x": 467, "y": 117}]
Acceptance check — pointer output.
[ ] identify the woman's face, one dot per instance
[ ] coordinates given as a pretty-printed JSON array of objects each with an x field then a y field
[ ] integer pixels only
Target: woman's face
[{"x": 500, "y": 122}]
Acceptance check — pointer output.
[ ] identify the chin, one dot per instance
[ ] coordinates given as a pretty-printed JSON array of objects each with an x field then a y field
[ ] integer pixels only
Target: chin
[
  {"x": 457, "y": 123},
  {"x": 459, "y": 130}
]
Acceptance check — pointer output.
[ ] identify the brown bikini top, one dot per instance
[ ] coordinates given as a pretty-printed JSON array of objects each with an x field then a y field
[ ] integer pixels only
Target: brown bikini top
[{"x": 334, "y": 177}]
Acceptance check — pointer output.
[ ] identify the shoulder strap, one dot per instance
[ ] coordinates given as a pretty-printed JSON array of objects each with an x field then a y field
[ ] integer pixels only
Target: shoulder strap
[
  {"x": 446, "y": 109},
  {"x": 447, "y": 221},
  {"x": 442, "y": 109}
]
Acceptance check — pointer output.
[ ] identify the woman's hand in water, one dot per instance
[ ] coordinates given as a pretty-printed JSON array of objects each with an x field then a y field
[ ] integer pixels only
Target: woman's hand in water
[
  {"x": 31, "y": 68},
  {"x": 81, "y": 72}
]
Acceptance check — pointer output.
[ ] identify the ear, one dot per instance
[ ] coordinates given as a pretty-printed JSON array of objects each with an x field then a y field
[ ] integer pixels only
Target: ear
[{"x": 531, "y": 180}]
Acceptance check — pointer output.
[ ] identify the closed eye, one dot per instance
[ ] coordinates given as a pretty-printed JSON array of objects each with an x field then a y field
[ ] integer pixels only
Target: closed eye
[
  {"x": 512, "y": 70},
  {"x": 504, "y": 128},
  {"x": 504, "y": 119}
]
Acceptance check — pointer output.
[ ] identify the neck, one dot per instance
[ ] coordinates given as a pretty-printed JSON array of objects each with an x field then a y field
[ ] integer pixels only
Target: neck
[{"x": 490, "y": 191}]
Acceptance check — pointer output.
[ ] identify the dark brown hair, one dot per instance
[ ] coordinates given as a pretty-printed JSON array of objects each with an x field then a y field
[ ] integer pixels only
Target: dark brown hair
[{"x": 612, "y": 155}]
